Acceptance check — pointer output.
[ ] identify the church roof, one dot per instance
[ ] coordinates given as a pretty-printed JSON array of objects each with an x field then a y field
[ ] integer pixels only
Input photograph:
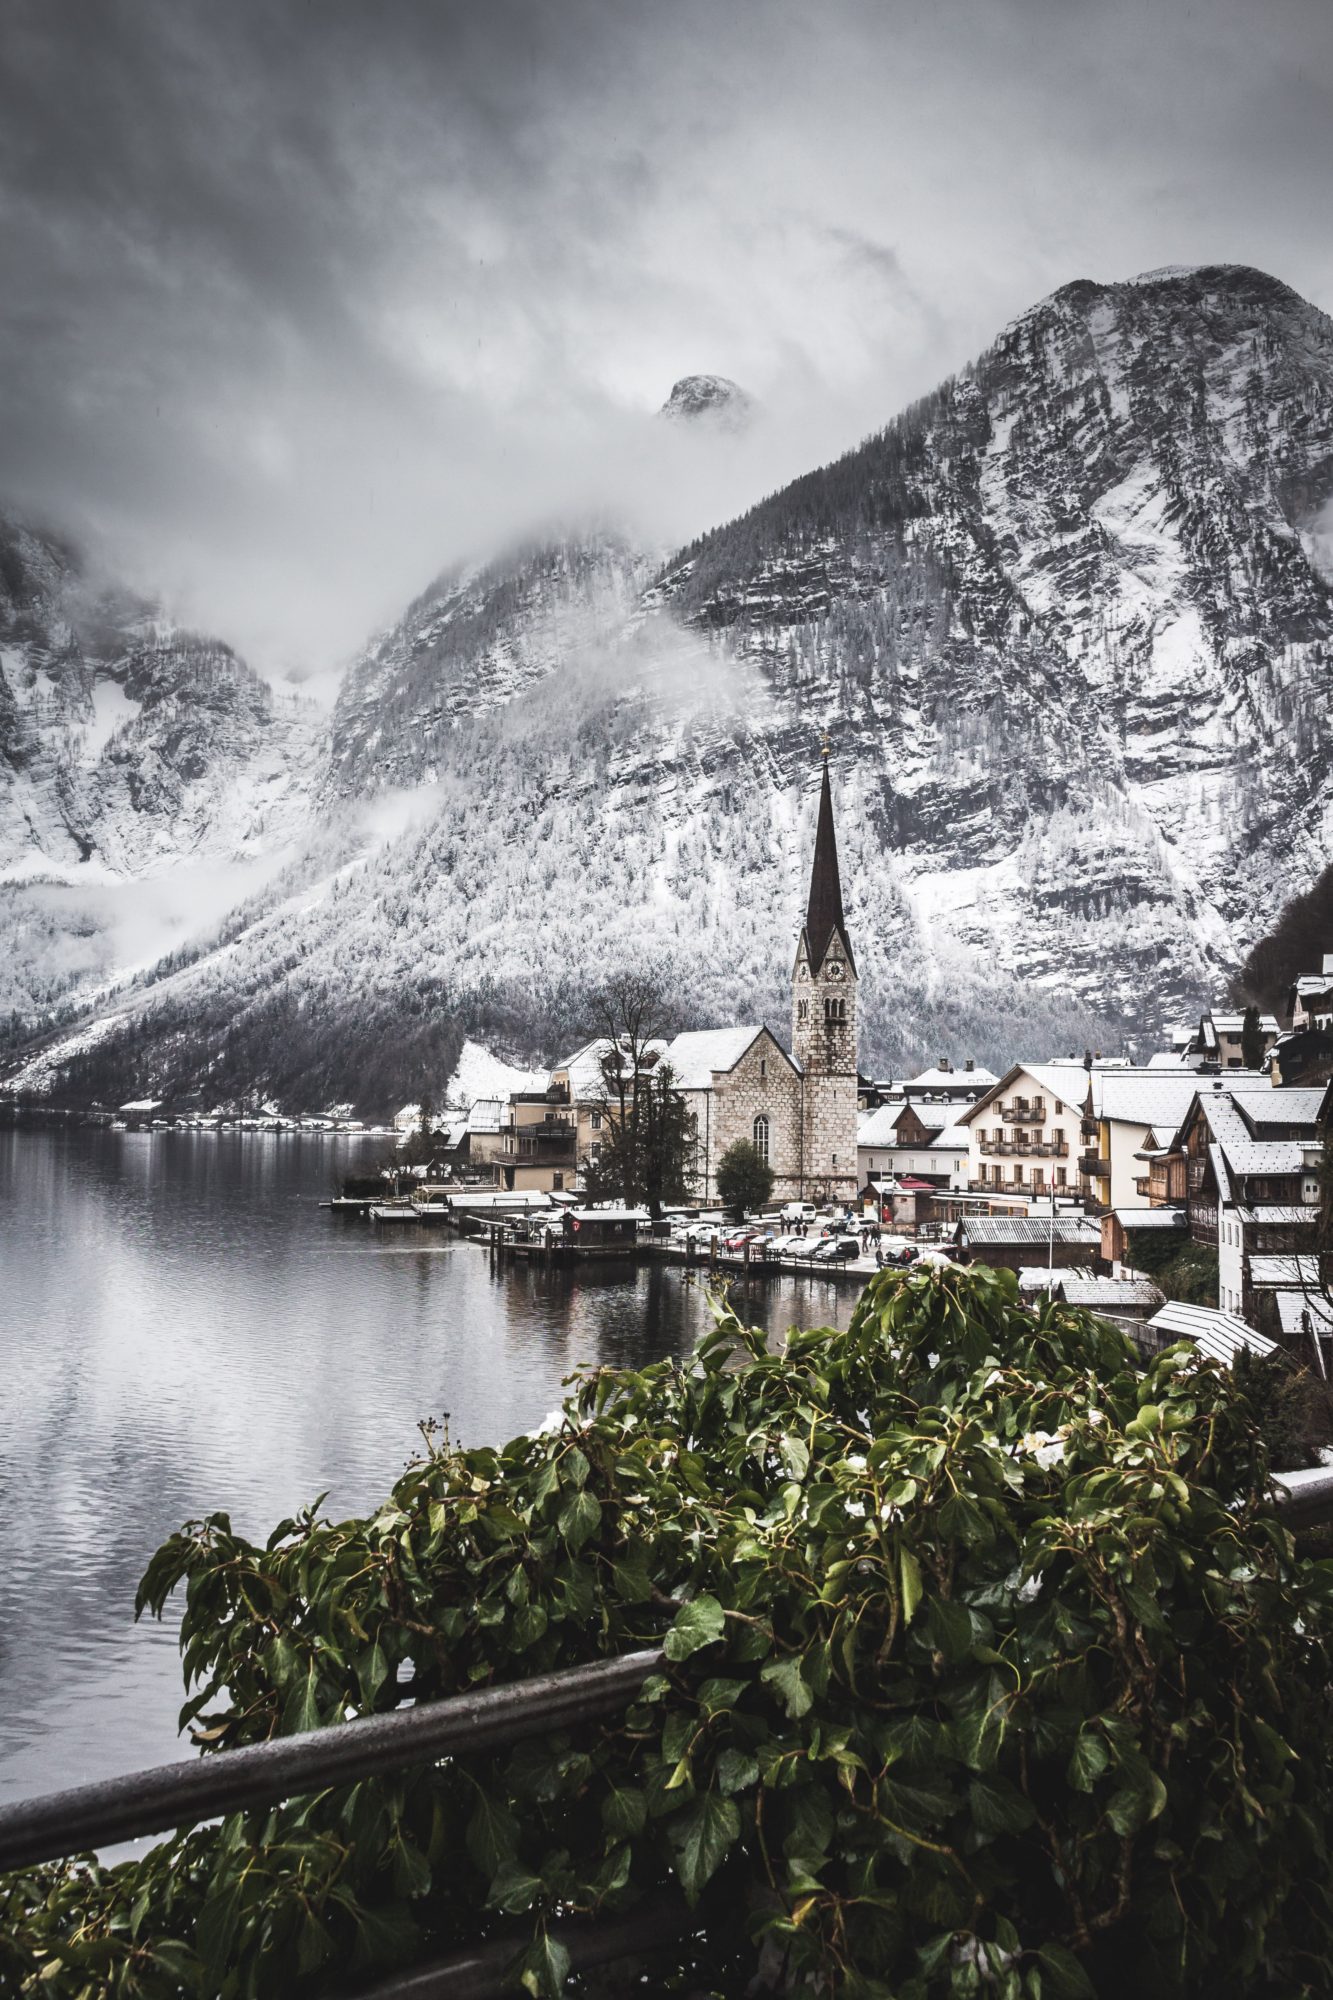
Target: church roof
[
  {"x": 695, "y": 1056},
  {"x": 823, "y": 915}
]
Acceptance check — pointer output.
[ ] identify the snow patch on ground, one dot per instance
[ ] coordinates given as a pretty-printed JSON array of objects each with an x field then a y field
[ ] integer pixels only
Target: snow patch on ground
[
  {"x": 482, "y": 1074},
  {"x": 112, "y": 708}
]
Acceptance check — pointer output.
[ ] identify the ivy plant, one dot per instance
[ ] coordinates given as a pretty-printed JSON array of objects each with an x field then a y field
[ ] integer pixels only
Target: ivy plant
[{"x": 989, "y": 1670}]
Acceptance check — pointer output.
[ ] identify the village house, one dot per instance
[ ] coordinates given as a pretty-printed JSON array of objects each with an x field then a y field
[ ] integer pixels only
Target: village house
[
  {"x": 1304, "y": 1055},
  {"x": 1248, "y": 1156},
  {"x": 1219, "y": 1038},
  {"x": 1020, "y": 1242},
  {"x": 1310, "y": 1000},
  {"x": 1131, "y": 1115},
  {"x": 943, "y": 1084},
  {"x": 913, "y": 1144},
  {"x": 1023, "y": 1132},
  {"x": 1126, "y": 1302}
]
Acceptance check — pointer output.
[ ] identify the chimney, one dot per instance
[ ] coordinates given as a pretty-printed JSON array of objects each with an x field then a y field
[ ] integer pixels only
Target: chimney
[
  {"x": 969, "y": 1064},
  {"x": 943, "y": 1064}
]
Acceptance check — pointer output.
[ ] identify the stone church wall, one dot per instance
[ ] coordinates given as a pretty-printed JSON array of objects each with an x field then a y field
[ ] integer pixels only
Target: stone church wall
[{"x": 745, "y": 1096}]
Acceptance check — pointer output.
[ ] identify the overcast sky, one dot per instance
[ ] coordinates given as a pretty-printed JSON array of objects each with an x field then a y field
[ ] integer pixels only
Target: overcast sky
[{"x": 300, "y": 301}]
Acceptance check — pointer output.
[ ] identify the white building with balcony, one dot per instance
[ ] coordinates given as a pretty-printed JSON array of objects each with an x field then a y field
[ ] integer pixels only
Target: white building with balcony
[{"x": 1024, "y": 1133}]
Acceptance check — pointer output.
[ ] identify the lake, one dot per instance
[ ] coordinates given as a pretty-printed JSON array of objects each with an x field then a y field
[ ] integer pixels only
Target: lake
[{"x": 182, "y": 1331}]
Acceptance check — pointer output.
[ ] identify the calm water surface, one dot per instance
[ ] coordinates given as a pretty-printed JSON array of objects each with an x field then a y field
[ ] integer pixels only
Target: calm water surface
[{"x": 182, "y": 1330}]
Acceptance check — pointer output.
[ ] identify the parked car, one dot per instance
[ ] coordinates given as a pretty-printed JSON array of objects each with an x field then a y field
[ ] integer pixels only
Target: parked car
[
  {"x": 837, "y": 1249},
  {"x": 739, "y": 1238}
]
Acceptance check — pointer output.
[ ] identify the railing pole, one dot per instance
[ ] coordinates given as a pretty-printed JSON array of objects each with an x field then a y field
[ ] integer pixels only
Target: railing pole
[{"x": 259, "y": 1774}]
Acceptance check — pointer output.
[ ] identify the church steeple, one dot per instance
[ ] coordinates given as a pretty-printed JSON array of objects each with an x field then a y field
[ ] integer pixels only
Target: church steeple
[
  {"x": 823, "y": 912},
  {"x": 823, "y": 1022}
]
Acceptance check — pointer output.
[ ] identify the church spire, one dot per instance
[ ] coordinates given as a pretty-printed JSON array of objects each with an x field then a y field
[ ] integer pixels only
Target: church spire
[{"x": 823, "y": 915}]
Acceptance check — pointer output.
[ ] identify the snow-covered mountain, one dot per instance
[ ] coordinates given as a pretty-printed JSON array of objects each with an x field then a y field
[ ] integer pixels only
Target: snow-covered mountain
[
  {"x": 129, "y": 750},
  {"x": 1069, "y": 623}
]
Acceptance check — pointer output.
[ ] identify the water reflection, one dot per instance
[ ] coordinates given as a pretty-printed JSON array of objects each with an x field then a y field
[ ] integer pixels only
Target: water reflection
[{"x": 181, "y": 1331}]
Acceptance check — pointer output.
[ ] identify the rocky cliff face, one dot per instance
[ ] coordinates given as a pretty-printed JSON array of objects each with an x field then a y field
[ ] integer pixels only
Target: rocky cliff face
[
  {"x": 1068, "y": 621},
  {"x": 1071, "y": 620},
  {"x": 128, "y": 749}
]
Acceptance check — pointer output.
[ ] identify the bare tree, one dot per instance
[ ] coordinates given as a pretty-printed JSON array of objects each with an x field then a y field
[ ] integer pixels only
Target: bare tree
[{"x": 648, "y": 1143}]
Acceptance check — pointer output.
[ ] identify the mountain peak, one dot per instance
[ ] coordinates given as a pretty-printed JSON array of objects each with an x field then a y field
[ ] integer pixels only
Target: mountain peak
[{"x": 715, "y": 399}]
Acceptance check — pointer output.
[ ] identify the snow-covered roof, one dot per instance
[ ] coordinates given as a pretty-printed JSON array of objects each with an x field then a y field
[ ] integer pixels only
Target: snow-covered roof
[
  {"x": 1067, "y": 1083},
  {"x": 1234, "y": 1024},
  {"x": 879, "y": 1128},
  {"x": 484, "y": 1115},
  {"x": 698, "y": 1054},
  {"x": 1232, "y": 1113},
  {"x": 1150, "y": 1218},
  {"x": 1292, "y": 1308},
  {"x": 1175, "y": 1060},
  {"x": 1080, "y": 1288},
  {"x": 1221, "y": 1335},
  {"x": 1271, "y": 1214},
  {"x": 1143, "y": 1097},
  {"x": 142, "y": 1104},
  {"x": 1007, "y": 1230},
  {"x": 1278, "y": 1273},
  {"x": 949, "y": 1079}
]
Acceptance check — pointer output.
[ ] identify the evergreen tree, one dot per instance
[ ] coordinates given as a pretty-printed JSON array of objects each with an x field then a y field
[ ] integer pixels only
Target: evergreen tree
[
  {"x": 1252, "y": 1039},
  {"x": 744, "y": 1177}
]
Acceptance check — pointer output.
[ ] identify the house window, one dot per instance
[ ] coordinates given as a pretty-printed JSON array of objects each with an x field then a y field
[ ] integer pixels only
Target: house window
[
  {"x": 761, "y": 1137},
  {"x": 763, "y": 1067},
  {"x": 1018, "y": 1176},
  {"x": 596, "y": 1121},
  {"x": 1061, "y": 1178},
  {"x": 802, "y": 1009},
  {"x": 1038, "y": 1180}
]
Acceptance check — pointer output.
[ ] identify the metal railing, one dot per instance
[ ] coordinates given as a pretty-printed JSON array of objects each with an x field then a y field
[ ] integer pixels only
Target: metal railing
[{"x": 259, "y": 1774}]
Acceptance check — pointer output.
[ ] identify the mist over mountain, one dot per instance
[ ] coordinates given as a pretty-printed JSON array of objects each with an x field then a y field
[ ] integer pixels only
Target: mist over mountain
[{"x": 1067, "y": 621}]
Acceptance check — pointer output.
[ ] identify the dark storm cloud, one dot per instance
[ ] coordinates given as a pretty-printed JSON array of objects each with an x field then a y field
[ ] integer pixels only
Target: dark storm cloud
[{"x": 301, "y": 299}]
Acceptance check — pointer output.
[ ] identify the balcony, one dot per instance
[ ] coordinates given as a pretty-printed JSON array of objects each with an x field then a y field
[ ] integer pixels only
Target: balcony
[
  {"x": 1024, "y": 1111},
  {"x": 550, "y": 1143},
  {"x": 1026, "y": 1149},
  {"x": 1094, "y": 1166},
  {"x": 1028, "y": 1189}
]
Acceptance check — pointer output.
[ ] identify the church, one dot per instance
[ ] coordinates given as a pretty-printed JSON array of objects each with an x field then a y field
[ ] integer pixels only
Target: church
[{"x": 799, "y": 1107}]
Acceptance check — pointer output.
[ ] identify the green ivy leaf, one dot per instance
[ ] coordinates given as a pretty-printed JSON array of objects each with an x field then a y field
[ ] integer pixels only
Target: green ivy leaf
[
  {"x": 580, "y": 1518},
  {"x": 701, "y": 1836},
  {"x": 736, "y": 1771},
  {"x": 624, "y": 1811},
  {"x": 514, "y": 1889},
  {"x": 909, "y": 1570},
  {"x": 698, "y": 1623},
  {"x": 785, "y": 1677},
  {"x": 1067, "y": 1978},
  {"x": 492, "y": 1834},
  {"x": 544, "y": 1968},
  {"x": 1088, "y": 1759}
]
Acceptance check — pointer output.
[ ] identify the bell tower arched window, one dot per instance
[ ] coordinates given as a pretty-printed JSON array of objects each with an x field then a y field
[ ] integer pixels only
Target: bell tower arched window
[
  {"x": 761, "y": 1137},
  {"x": 835, "y": 1008}
]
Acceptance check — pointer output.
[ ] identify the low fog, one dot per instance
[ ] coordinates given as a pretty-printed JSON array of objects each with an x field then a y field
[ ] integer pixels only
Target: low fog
[{"x": 302, "y": 303}]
